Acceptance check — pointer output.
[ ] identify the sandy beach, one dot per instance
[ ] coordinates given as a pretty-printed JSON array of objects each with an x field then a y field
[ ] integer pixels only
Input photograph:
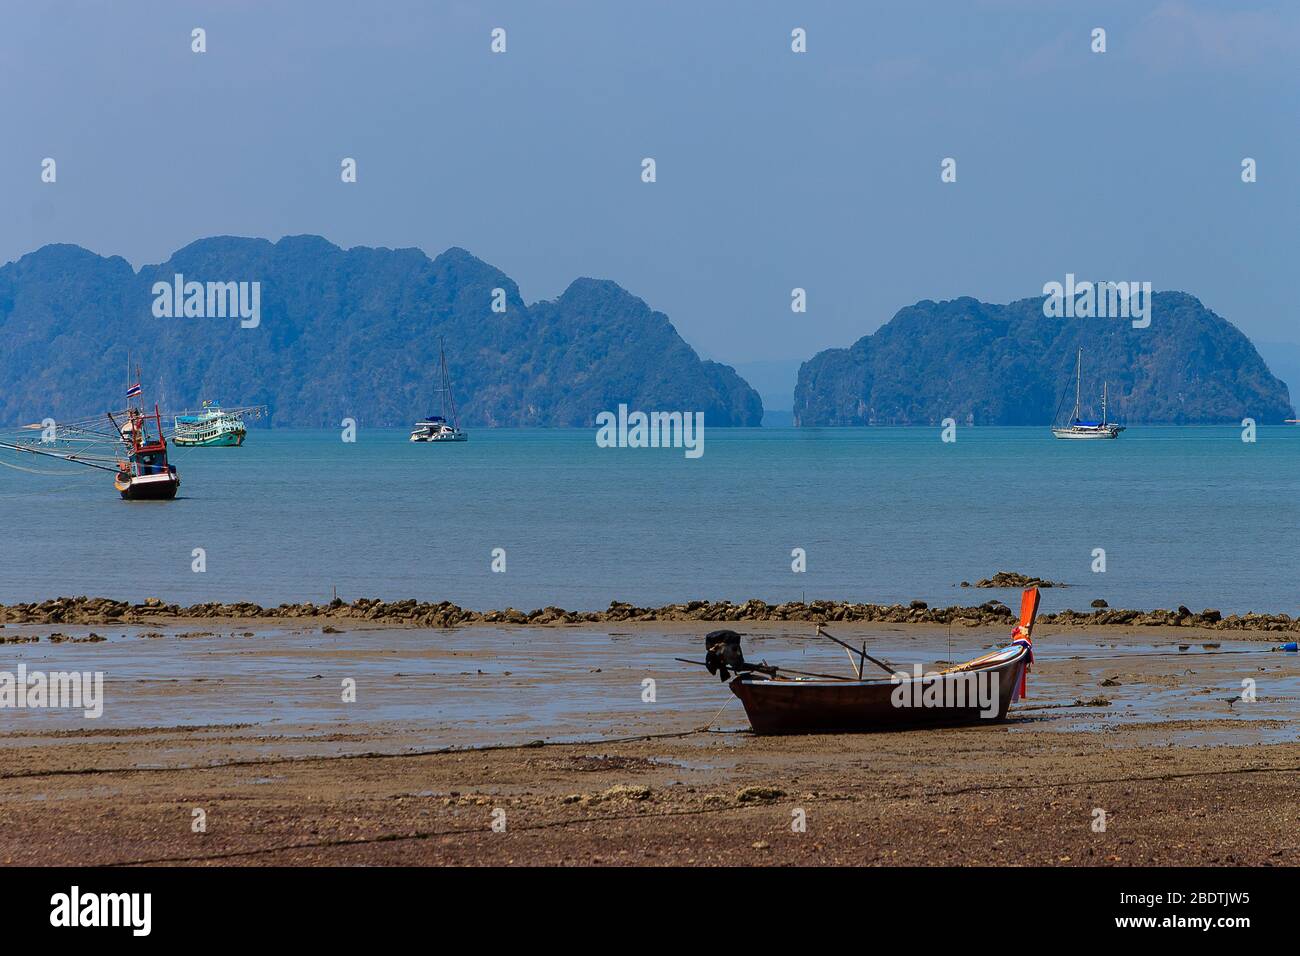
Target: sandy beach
[{"x": 536, "y": 745}]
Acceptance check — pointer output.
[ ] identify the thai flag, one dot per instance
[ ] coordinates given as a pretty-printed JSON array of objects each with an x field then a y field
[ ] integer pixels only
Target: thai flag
[{"x": 133, "y": 390}]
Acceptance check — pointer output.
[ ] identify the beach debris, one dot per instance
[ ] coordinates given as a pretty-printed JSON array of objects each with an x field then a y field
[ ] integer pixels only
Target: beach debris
[
  {"x": 1092, "y": 702},
  {"x": 1110, "y": 682},
  {"x": 621, "y": 792},
  {"x": 758, "y": 794}
]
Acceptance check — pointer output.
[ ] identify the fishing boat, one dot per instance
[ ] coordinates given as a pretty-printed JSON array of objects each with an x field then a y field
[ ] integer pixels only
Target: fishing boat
[
  {"x": 437, "y": 428},
  {"x": 213, "y": 425},
  {"x": 129, "y": 443},
  {"x": 779, "y": 700},
  {"x": 144, "y": 473},
  {"x": 1078, "y": 428}
]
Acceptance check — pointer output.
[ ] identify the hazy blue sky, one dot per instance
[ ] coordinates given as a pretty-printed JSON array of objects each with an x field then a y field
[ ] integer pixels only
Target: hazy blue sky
[{"x": 775, "y": 170}]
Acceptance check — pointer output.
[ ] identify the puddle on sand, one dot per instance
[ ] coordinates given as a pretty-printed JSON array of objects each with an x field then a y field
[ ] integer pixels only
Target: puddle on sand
[{"x": 481, "y": 685}]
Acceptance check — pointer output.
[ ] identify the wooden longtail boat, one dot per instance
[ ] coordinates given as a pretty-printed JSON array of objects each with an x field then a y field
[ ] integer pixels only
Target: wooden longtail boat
[{"x": 980, "y": 689}]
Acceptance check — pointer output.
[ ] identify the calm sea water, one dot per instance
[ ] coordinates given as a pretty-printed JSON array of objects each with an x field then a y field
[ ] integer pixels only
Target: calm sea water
[{"x": 1185, "y": 515}]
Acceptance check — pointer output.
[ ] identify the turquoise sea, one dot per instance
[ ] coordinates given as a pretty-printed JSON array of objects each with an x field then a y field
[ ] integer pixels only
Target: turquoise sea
[{"x": 1189, "y": 516}]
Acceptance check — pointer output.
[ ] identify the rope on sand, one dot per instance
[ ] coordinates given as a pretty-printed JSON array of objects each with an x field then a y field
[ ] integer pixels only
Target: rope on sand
[
  {"x": 431, "y": 834},
  {"x": 694, "y": 811}
]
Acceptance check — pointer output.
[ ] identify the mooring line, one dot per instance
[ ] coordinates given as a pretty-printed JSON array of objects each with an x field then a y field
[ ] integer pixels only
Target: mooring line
[
  {"x": 615, "y": 818},
  {"x": 432, "y": 834},
  {"x": 1088, "y": 783}
]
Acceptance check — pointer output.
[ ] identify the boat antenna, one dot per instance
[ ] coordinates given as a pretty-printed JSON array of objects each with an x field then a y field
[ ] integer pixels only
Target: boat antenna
[
  {"x": 822, "y": 632},
  {"x": 1078, "y": 381}
]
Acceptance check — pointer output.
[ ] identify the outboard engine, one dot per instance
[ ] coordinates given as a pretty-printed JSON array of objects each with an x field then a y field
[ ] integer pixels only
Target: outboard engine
[{"x": 723, "y": 654}]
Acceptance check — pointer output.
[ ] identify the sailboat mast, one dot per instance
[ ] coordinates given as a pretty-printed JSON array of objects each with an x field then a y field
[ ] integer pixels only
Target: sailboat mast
[
  {"x": 1078, "y": 380},
  {"x": 446, "y": 384},
  {"x": 447, "y": 396},
  {"x": 1103, "y": 402}
]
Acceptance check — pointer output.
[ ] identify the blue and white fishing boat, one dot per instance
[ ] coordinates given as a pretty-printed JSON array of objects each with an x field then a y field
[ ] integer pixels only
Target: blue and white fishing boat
[{"x": 213, "y": 425}]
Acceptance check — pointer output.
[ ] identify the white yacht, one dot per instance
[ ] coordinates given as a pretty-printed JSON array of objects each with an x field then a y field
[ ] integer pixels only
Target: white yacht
[
  {"x": 437, "y": 428},
  {"x": 1078, "y": 428}
]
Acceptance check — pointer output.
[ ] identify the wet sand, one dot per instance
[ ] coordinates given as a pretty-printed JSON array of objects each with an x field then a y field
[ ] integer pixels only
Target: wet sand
[{"x": 451, "y": 726}]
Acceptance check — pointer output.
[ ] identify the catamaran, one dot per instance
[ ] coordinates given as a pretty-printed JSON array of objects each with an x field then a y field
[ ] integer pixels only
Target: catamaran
[
  {"x": 436, "y": 428},
  {"x": 1078, "y": 428}
]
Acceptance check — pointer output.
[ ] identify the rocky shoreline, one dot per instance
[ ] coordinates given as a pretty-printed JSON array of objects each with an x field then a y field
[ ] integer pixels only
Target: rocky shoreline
[
  {"x": 412, "y": 613},
  {"x": 1013, "y": 579}
]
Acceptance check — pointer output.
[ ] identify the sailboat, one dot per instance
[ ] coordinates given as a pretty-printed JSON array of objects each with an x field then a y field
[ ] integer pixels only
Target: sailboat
[
  {"x": 436, "y": 428},
  {"x": 1078, "y": 428}
]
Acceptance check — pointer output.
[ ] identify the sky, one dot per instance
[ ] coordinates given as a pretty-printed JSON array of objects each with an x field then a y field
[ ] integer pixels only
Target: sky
[{"x": 774, "y": 169}]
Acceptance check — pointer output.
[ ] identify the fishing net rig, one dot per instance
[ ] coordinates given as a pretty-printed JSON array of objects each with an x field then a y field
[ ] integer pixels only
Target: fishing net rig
[{"x": 95, "y": 442}]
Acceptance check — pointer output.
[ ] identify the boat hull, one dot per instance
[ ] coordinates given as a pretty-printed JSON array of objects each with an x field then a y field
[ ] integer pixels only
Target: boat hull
[
  {"x": 826, "y": 706},
  {"x": 226, "y": 440},
  {"x": 148, "y": 487},
  {"x": 439, "y": 439},
  {"x": 1073, "y": 434}
]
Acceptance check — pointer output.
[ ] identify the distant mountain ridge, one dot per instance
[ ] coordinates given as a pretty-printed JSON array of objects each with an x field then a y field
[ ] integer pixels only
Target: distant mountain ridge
[
  {"x": 345, "y": 333},
  {"x": 1010, "y": 365}
]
